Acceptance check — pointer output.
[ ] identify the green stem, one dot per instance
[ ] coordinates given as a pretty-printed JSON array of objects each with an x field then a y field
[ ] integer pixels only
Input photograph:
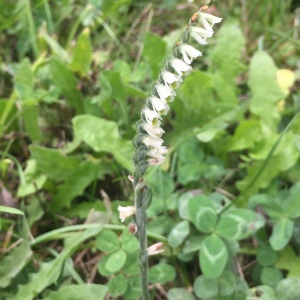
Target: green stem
[
  {"x": 141, "y": 223},
  {"x": 32, "y": 29}
]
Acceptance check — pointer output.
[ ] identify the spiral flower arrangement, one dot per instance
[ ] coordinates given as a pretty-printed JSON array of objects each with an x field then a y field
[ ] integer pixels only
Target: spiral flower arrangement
[{"x": 148, "y": 141}]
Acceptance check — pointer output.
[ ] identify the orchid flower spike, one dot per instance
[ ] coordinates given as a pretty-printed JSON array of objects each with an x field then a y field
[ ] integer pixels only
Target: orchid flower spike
[{"x": 149, "y": 142}]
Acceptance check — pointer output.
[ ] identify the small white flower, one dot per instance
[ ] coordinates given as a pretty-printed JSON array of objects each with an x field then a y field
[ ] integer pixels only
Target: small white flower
[
  {"x": 151, "y": 141},
  {"x": 210, "y": 18},
  {"x": 200, "y": 34},
  {"x": 165, "y": 92},
  {"x": 152, "y": 116},
  {"x": 180, "y": 67},
  {"x": 189, "y": 53},
  {"x": 157, "y": 155},
  {"x": 159, "y": 105},
  {"x": 154, "y": 131},
  {"x": 155, "y": 249},
  {"x": 172, "y": 80},
  {"x": 125, "y": 212}
]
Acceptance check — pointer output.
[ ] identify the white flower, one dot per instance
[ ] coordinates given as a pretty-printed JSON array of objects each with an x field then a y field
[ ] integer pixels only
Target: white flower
[
  {"x": 200, "y": 34},
  {"x": 155, "y": 249},
  {"x": 205, "y": 17},
  {"x": 157, "y": 155},
  {"x": 180, "y": 67},
  {"x": 151, "y": 116},
  {"x": 172, "y": 80},
  {"x": 151, "y": 141},
  {"x": 125, "y": 212},
  {"x": 165, "y": 92},
  {"x": 154, "y": 131},
  {"x": 189, "y": 53},
  {"x": 159, "y": 105}
]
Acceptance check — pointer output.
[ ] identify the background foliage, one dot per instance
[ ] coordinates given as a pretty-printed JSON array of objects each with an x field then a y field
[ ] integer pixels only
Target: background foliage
[{"x": 73, "y": 78}]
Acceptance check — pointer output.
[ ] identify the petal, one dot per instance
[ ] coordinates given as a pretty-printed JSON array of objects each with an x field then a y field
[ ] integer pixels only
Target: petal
[
  {"x": 154, "y": 142},
  {"x": 159, "y": 105},
  {"x": 125, "y": 212},
  {"x": 174, "y": 81},
  {"x": 210, "y": 18},
  {"x": 202, "y": 32},
  {"x": 165, "y": 92},
  {"x": 154, "y": 131},
  {"x": 198, "y": 38},
  {"x": 206, "y": 25},
  {"x": 151, "y": 116},
  {"x": 180, "y": 67}
]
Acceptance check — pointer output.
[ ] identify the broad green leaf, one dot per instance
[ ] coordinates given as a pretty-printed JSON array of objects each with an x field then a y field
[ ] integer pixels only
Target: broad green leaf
[
  {"x": 107, "y": 241},
  {"x": 35, "y": 179},
  {"x": 11, "y": 210},
  {"x": 190, "y": 172},
  {"x": 79, "y": 292},
  {"x": 161, "y": 224},
  {"x": 281, "y": 233},
  {"x": 129, "y": 242},
  {"x": 227, "y": 283},
  {"x": 203, "y": 213},
  {"x": 35, "y": 210},
  {"x": 178, "y": 234},
  {"x": 213, "y": 256},
  {"x": 190, "y": 151},
  {"x": 161, "y": 273},
  {"x": 75, "y": 184},
  {"x": 117, "y": 285},
  {"x": 154, "y": 51},
  {"x": 270, "y": 204},
  {"x": 179, "y": 294},
  {"x": 24, "y": 80},
  {"x": 161, "y": 182},
  {"x": 266, "y": 92},
  {"x": 266, "y": 256},
  {"x": 31, "y": 120},
  {"x": 134, "y": 288},
  {"x": 245, "y": 135},
  {"x": 288, "y": 289},
  {"x": 116, "y": 261},
  {"x": 101, "y": 266},
  {"x": 210, "y": 131},
  {"x": 206, "y": 287},
  {"x": 131, "y": 266},
  {"x": 191, "y": 102},
  {"x": 289, "y": 261},
  {"x": 14, "y": 262},
  {"x": 103, "y": 136},
  {"x": 186, "y": 257},
  {"x": 238, "y": 224},
  {"x": 226, "y": 59},
  {"x": 263, "y": 292},
  {"x": 291, "y": 205},
  {"x": 193, "y": 244},
  {"x": 82, "y": 56},
  {"x": 65, "y": 80},
  {"x": 249, "y": 187},
  {"x": 183, "y": 205},
  {"x": 271, "y": 276},
  {"x": 286, "y": 152},
  {"x": 54, "y": 163},
  {"x": 162, "y": 186},
  {"x": 49, "y": 272}
]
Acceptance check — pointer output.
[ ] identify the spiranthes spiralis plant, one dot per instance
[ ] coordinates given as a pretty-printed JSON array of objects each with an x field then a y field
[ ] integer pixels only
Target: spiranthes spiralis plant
[{"x": 148, "y": 140}]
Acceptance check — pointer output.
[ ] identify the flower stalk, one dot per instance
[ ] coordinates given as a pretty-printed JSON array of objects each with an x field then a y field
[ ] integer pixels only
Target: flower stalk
[{"x": 148, "y": 141}]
